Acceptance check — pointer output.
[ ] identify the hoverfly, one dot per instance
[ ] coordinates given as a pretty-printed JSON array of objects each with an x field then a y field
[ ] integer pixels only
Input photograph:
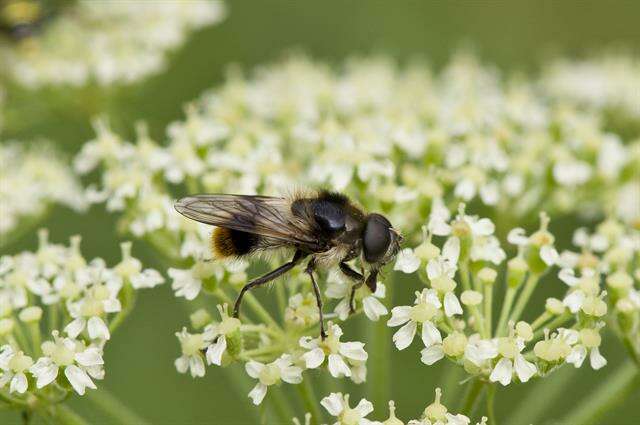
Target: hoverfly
[{"x": 325, "y": 227}]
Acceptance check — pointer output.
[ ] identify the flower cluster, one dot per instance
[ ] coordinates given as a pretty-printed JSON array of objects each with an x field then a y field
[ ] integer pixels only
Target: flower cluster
[
  {"x": 410, "y": 144},
  {"x": 32, "y": 180},
  {"x": 76, "y": 304},
  {"x": 454, "y": 312},
  {"x": 104, "y": 42},
  {"x": 611, "y": 81},
  {"x": 337, "y": 405}
]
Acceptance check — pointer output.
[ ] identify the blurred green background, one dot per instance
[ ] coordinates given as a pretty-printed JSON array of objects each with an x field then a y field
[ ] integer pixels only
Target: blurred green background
[{"x": 514, "y": 35}]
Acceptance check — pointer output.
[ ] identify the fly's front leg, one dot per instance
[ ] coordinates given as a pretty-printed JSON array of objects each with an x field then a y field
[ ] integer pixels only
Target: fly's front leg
[
  {"x": 309, "y": 270},
  {"x": 359, "y": 281}
]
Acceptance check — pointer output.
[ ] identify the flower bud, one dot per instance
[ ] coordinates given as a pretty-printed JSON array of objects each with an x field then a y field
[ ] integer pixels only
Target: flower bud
[
  {"x": 524, "y": 331},
  {"x": 30, "y": 314},
  {"x": 555, "y": 306},
  {"x": 620, "y": 281},
  {"x": 426, "y": 251},
  {"x": 6, "y": 326},
  {"x": 200, "y": 318},
  {"x": 454, "y": 344},
  {"x": 487, "y": 275},
  {"x": 517, "y": 269},
  {"x": 436, "y": 412},
  {"x": 471, "y": 298}
]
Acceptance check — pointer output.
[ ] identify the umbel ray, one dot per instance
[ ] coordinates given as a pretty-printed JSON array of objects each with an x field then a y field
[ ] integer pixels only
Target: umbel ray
[{"x": 323, "y": 228}]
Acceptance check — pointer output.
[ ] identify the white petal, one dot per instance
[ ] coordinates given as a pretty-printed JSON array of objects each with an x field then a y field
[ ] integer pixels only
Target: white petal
[
  {"x": 596, "y": 359},
  {"x": 451, "y": 304},
  {"x": 215, "y": 351},
  {"x": 404, "y": 336},
  {"x": 353, "y": 351},
  {"x": 577, "y": 355},
  {"x": 432, "y": 354},
  {"x": 313, "y": 358},
  {"x": 92, "y": 356},
  {"x": 517, "y": 236},
  {"x": 78, "y": 379},
  {"x": 407, "y": 261},
  {"x": 483, "y": 227},
  {"x": 451, "y": 250},
  {"x": 18, "y": 383},
  {"x": 364, "y": 408},
  {"x": 373, "y": 308},
  {"x": 574, "y": 300},
  {"x": 253, "y": 368},
  {"x": 182, "y": 364},
  {"x": 45, "y": 371},
  {"x": 74, "y": 328},
  {"x": 399, "y": 315},
  {"x": 338, "y": 367},
  {"x": 333, "y": 403},
  {"x": 97, "y": 329},
  {"x": 292, "y": 375},
  {"x": 549, "y": 255},
  {"x": 568, "y": 276},
  {"x": 430, "y": 334},
  {"x": 434, "y": 268},
  {"x": 257, "y": 393},
  {"x": 524, "y": 369},
  {"x": 196, "y": 366},
  {"x": 502, "y": 372}
]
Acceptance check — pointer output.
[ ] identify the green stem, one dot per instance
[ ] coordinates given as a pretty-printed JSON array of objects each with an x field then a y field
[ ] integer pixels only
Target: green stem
[
  {"x": 379, "y": 362},
  {"x": 491, "y": 395},
  {"x": 478, "y": 322},
  {"x": 464, "y": 275},
  {"x": 66, "y": 416},
  {"x": 110, "y": 405},
  {"x": 529, "y": 286},
  {"x": 473, "y": 392},
  {"x": 555, "y": 323},
  {"x": 606, "y": 397},
  {"x": 53, "y": 318},
  {"x": 488, "y": 307},
  {"x": 34, "y": 331},
  {"x": 501, "y": 330},
  {"x": 544, "y": 393},
  {"x": 260, "y": 310},
  {"x": 128, "y": 301},
  {"x": 541, "y": 320},
  {"x": 280, "y": 405},
  {"x": 628, "y": 344},
  {"x": 310, "y": 400}
]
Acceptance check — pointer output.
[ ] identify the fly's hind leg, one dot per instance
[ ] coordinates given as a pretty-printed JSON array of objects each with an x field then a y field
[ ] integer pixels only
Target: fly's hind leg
[
  {"x": 359, "y": 281},
  {"x": 309, "y": 270},
  {"x": 274, "y": 274}
]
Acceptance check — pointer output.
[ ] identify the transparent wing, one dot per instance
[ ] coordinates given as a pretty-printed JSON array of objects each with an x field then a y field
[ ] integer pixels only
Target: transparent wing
[{"x": 261, "y": 215}]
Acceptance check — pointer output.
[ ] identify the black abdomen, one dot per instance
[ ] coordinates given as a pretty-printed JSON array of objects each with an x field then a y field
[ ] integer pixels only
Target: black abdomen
[{"x": 232, "y": 243}]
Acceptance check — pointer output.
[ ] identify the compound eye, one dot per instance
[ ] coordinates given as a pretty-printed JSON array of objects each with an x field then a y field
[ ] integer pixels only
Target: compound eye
[{"x": 377, "y": 238}]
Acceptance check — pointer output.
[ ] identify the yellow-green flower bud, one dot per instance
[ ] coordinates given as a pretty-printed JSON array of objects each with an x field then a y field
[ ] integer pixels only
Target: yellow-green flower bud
[
  {"x": 517, "y": 269},
  {"x": 454, "y": 344},
  {"x": 471, "y": 298},
  {"x": 200, "y": 318},
  {"x": 555, "y": 306},
  {"x": 30, "y": 314},
  {"x": 487, "y": 275}
]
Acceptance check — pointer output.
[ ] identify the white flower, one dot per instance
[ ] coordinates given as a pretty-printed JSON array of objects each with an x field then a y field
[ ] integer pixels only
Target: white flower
[
  {"x": 509, "y": 348},
  {"x": 589, "y": 343},
  {"x": 188, "y": 283},
  {"x": 337, "y": 405},
  {"x": 437, "y": 414},
  {"x": 192, "y": 347},
  {"x": 80, "y": 363},
  {"x": 407, "y": 261},
  {"x": 218, "y": 334},
  {"x": 13, "y": 366},
  {"x": 441, "y": 271},
  {"x": 426, "y": 309},
  {"x": 338, "y": 354},
  {"x": 371, "y": 304},
  {"x": 281, "y": 369}
]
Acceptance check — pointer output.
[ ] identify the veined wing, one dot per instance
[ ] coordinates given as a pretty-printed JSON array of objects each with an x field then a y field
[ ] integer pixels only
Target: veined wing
[{"x": 262, "y": 215}]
